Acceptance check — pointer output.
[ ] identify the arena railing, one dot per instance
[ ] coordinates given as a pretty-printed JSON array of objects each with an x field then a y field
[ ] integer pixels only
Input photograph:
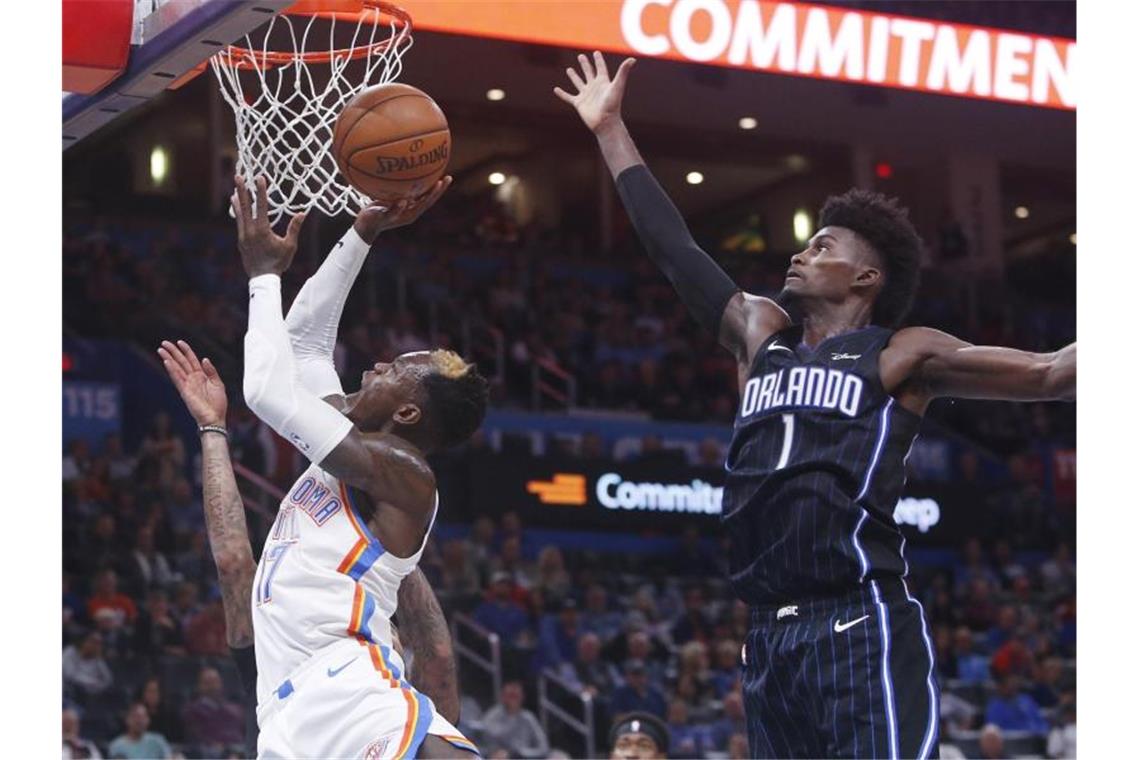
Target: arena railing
[
  {"x": 467, "y": 637},
  {"x": 543, "y": 374},
  {"x": 550, "y": 683}
]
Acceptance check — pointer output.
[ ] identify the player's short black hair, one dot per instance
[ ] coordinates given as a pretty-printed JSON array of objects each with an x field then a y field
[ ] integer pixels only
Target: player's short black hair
[
  {"x": 457, "y": 398},
  {"x": 885, "y": 225}
]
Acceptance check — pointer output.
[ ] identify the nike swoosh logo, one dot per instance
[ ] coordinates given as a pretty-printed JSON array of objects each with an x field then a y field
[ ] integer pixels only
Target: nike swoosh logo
[
  {"x": 342, "y": 667},
  {"x": 778, "y": 347},
  {"x": 841, "y": 627}
]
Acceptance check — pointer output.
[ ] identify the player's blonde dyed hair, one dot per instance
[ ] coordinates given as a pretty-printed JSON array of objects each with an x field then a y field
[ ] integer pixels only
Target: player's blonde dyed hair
[
  {"x": 457, "y": 397},
  {"x": 450, "y": 364}
]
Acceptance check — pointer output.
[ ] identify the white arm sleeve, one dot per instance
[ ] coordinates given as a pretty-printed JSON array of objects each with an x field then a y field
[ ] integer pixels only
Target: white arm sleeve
[
  {"x": 272, "y": 389},
  {"x": 315, "y": 313}
]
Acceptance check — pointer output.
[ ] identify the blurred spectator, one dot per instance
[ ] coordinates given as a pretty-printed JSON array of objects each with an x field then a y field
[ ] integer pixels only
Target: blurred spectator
[
  {"x": 1063, "y": 737},
  {"x": 738, "y": 747},
  {"x": 726, "y": 674},
  {"x": 1012, "y": 710},
  {"x": 974, "y": 565},
  {"x": 138, "y": 743},
  {"x": 74, "y": 610},
  {"x": 84, "y": 668},
  {"x": 1004, "y": 628},
  {"x": 589, "y": 672},
  {"x": 186, "y": 605},
  {"x": 637, "y": 694},
  {"x": 509, "y": 726},
  {"x": 163, "y": 718},
  {"x": 691, "y": 559},
  {"x": 77, "y": 461},
  {"x": 1046, "y": 682},
  {"x": 552, "y": 578},
  {"x": 732, "y": 723},
  {"x": 511, "y": 561},
  {"x": 979, "y": 611},
  {"x": 195, "y": 561},
  {"x": 75, "y": 746},
  {"x": 150, "y": 568},
  {"x": 966, "y": 664},
  {"x": 558, "y": 635},
  {"x": 212, "y": 722},
  {"x": 1012, "y": 657},
  {"x": 597, "y": 617},
  {"x": 458, "y": 575},
  {"x": 120, "y": 465},
  {"x": 1059, "y": 573},
  {"x": 158, "y": 631},
  {"x": 992, "y": 743},
  {"x": 693, "y": 623},
  {"x": 500, "y": 614},
  {"x": 480, "y": 545},
  {"x": 685, "y": 740},
  {"x": 163, "y": 450},
  {"x": 184, "y": 510},
  {"x": 693, "y": 660},
  {"x": 206, "y": 632}
]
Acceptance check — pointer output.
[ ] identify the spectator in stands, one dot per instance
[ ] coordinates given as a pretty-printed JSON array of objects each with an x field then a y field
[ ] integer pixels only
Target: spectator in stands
[
  {"x": 691, "y": 559},
  {"x": 1059, "y": 573},
  {"x": 979, "y": 612},
  {"x": 163, "y": 450},
  {"x": 186, "y": 605},
  {"x": 510, "y": 560},
  {"x": 558, "y": 635},
  {"x": 500, "y": 614},
  {"x": 693, "y": 624},
  {"x": 458, "y": 575},
  {"x": 206, "y": 631},
  {"x": 738, "y": 747},
  {"x": 1009, "y": 569},
  {"x": 637, "y": 693},
  {"x": 1013, "y": 710},
  {"x": 991, "y": 742},
  {"x": 974, "y": 565},
  {"x": 99, "y": 547},
  {"x": 138, "y": 743},
  {"x": 75, "y": 746},
  {"x": 195, "y": 561},
  {"x": 710, "y": 453},
  {"x": 163, "y": 718},
  {"x": 685, "y": 739},
  {"x": 639, "y": 736},
  {"x": 1004, "y": 628},
  {"x": 597, "y": 617},
  {"x": 967, "y": 665},
  {"x": 85, "y": 672},
  {"x": 1046, "y": 690},
  {"x": 511, "y": 727},
  {"x": 1012, "y": 657},
  {"x": 552, "y": 578},
  {"x": 693, "y": 665},
  {"x": 77, "y": 461},
  {"x": 120, "y": 465},
  {"x": 158, "y": 631},
  {"x": 74, "y": 610},
  {"x": 184, "y": 510},
  {"x": 480, "y": 545},
  {"x": 149, "y": 568},
  {"x": 589, "y": 672},
  {"x": 1063, "y": 737},
  {"x": 732, "y": 723},
  {"x": 213, "y": 723}
]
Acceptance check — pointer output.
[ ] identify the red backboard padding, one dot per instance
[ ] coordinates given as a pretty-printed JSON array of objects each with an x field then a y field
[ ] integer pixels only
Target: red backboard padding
[{"x": 96, "y": 42}]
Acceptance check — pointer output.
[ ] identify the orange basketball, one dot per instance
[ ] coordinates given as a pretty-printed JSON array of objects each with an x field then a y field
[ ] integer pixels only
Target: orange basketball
[{"x": 391, "y": 142}]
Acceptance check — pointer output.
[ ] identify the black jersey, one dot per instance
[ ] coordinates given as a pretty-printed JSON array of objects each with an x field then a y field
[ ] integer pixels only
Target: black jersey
[{"x": 815, "y": 469}]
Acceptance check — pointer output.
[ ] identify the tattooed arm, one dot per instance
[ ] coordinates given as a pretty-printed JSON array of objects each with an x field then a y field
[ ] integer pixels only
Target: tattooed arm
[
  {"x": 423, "y": 631},
  {"x": 205, "y": 397}
]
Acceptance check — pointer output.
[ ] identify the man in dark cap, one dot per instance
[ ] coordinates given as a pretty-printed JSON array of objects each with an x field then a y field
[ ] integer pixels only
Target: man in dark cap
[{"x": 638, "y": 736}]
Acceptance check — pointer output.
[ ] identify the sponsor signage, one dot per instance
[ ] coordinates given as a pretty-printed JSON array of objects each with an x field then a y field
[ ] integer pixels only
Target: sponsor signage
[
  {"x": 90, "y": 410},
  {"x": 796, "y": 39}
]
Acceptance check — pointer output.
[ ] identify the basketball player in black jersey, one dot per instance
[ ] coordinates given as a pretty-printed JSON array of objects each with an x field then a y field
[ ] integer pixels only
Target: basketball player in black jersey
[{"x": 839, "y": 661}]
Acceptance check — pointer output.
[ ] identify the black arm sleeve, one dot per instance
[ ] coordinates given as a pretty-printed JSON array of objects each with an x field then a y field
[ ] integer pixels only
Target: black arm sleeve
[{"x": 703, "y": 286}]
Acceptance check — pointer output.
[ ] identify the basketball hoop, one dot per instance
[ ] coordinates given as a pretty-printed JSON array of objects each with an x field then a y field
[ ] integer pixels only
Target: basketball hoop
[{"x": 286, "y": 110}]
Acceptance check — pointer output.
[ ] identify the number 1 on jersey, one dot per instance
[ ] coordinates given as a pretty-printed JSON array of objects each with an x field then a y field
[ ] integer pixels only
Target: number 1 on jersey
[
  {"x": 789, "y": 430},
  {"x": 268, "y": 570}
]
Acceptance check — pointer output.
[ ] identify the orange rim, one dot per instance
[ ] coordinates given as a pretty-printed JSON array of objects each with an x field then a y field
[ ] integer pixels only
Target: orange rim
[{"x": 361, "y": 11}]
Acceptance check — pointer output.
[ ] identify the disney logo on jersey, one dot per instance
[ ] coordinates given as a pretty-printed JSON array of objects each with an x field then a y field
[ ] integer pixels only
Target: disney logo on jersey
[
  {"x": 841, "y": 357},
  {"x": 799, "y": 387}
]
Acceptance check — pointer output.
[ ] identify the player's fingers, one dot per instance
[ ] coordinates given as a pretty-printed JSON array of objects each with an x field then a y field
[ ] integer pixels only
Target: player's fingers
[
  {"x": 587, "y": 68},
  {"x": 210, "y": 370},
  {"x": 294, "y": 230},
  {"x": 235, "y": 206},
  {"x": 242, "y": 193},
  {"x": 262, "y": 199},
  {"x": 176, "y": 354},
  {"x": 189, "y": 354},
  {"x": 577, "y": 80},
  {"x": 600, "y": 63},
  {"x": 563, "y": 95},
  {"x": 172, "y": 369},
  {"x": 623, "y": 73}
]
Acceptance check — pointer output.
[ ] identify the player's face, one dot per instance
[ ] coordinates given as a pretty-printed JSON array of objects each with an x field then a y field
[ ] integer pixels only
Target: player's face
[
  {"x": 635, "y": 747},
  {"x": 389, "y": 388},
  {"x": 829, "y": 267}
]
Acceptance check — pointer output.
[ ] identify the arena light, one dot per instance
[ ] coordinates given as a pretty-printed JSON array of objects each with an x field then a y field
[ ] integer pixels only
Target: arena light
[
  {"x": 1073, "y": 238},
  {"x": 497, "y": 178},
  {"x": 1021, "y": 212},
  {"x": 796, "y": 162},
  {"x": 694, "y": 178},
  {"x": 747, "y": 122},
  {"x": 884, "y": 170},
  {"x": 159, "y": 165},
  {"x": 801, "y": 226},
  {"x": 495, "y": 94}
]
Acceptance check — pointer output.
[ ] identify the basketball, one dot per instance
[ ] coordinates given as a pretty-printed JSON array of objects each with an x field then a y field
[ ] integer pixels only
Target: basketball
[{"x": 391, "y": 142}]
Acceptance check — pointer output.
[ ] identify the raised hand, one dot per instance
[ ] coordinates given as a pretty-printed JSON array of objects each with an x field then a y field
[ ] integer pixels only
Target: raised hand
[
  {"x": 598, "y": 98},
  {"x": 262, "y": 250},
  {"x": 374, "y": 219},
  {"x": 197, "y": 382}
]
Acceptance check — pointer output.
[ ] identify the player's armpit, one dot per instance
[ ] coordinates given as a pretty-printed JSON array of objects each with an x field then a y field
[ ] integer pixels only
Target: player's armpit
[
  {"x": 386, "y": 467},
  {"x": 937, "y": 365},
  {"x": 747, "y": 322}
]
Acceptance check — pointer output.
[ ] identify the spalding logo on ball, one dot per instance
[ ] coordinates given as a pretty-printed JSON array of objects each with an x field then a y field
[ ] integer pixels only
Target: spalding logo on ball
[{"x": 391, "y": 142}]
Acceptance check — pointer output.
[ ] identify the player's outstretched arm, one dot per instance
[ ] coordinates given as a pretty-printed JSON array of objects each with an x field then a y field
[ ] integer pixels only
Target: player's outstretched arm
[
  {"x": 931, "y": 364},
  {"x": 383, "y": 466},
  {"x": 424, "y": 632},
  {"x": 313, "y": 318},
  {"x": 205, "y": 397},
  {"x": 740, "y": 323}
]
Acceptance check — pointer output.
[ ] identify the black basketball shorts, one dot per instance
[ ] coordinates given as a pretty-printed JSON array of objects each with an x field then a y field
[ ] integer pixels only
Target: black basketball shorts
[{"x": 842, "y": 677}]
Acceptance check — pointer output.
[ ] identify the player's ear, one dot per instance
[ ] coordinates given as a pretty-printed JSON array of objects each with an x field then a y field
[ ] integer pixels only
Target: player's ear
[
  {"x": 407, "y": 414},
  {"x": 868, "y": 277}
]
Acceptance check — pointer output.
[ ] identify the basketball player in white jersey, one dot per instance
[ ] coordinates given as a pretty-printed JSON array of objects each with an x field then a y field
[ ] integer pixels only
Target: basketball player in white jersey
[
  {"x": 355, "y": 523},
  {"x": 424, "y": 629}
]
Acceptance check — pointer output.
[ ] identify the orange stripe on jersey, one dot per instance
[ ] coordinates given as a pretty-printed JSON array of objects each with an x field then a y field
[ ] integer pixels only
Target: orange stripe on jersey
[
  {"x": 348, "y": 510},
  {"x": 381, "y": 666},
  {"x": 354, "y": 619},
  {"x": 410, "y": 726},
  {"x": 353, "y": 555}
]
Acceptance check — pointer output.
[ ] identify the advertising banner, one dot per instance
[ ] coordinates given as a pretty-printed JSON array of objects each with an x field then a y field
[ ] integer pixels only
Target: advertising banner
[{"x": 795, "y": 39}]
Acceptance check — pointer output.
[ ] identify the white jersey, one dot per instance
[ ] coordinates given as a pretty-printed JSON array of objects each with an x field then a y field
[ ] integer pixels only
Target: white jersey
[{"x": 323, "y": 578}]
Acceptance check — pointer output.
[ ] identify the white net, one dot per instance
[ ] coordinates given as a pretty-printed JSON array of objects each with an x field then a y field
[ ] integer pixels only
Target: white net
[{"x": 287, "y": 83}]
